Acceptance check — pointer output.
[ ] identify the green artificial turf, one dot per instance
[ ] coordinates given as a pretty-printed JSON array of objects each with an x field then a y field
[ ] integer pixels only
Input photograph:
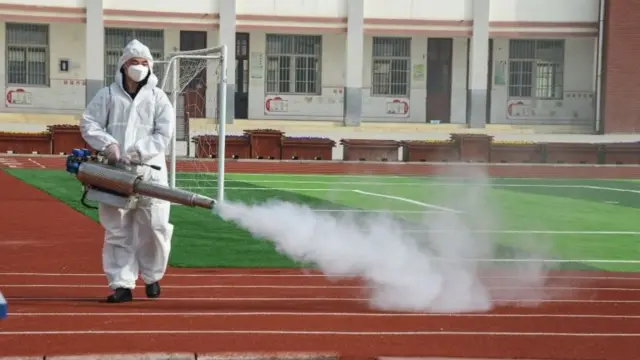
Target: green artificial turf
[{"x": 566, "y": 218}]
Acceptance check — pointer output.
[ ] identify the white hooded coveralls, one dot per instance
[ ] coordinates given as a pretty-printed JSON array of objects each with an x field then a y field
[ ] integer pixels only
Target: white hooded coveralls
[{"x": 136, "y": 240}]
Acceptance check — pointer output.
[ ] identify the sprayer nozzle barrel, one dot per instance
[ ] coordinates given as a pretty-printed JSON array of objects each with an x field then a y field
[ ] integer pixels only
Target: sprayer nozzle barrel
[
  {"x": 177, "y": 196},
  {"x": 126, "y": 183}
]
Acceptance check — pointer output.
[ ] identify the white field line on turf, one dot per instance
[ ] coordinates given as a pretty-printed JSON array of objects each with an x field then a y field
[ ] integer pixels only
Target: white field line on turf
[
  {"x": 259, "y": 189},
  {"x": 566, "y": 232},
  {"x": 426, "y": 183},
  {"x": 414, "y": 202},
  {"x": 311, "y": 333},
  {"x": 382, "y": 211},
  {"x": 274, "y": 287},
  {"x": 312, "y": 299},
  {"x": 324, "y": 314},
  {"x": 364, "y": 176},
  {"x": 630, "y": 276}
]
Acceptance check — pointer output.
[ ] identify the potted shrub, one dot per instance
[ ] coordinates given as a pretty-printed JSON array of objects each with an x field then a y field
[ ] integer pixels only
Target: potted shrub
[
  {"x": 25, "y": 143},
  {"x": 369, "y": 150},
  {"x": 572, "y": 153},
  {"x": 621, "y": 153},
  {"x": 515, "y": 152},
  {"x": 65, "y": 138},
  {"x": 307, "y": 148},
  {"x": 429, "y": 151},
  {"x": 235, "y": 146},
  {"x": 473, "y": 147},
  {"x": 265, "y": 143}
]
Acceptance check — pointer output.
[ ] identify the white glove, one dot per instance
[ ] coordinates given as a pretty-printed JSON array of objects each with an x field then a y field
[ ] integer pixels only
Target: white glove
[
  {"x": 112, "y": 153},
  {"x": 132, "y": 155},
  {"x": 125, "y": 160}
]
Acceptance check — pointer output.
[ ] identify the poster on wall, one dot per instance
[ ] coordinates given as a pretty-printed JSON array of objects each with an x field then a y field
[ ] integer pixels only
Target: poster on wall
[
  {"x": 398, "y": 107},
  {"x": 18, "y": 97},
  {"x": 276, "y": 105},
  {"x": 257, "y": 65},
  {"x": 499, "y": 70},
  {"x": 419, "y": 73}
]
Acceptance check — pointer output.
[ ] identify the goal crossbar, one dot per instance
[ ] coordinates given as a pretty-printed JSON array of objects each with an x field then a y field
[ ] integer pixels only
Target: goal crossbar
[{"x": 213, "y": 53}]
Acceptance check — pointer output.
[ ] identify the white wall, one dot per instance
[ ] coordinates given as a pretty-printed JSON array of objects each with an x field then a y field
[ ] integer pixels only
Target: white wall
[
  {"x": 501, "y": 10},
  {"x": 325, "y": 106},
  {"x": 170, "y": 6},
  {"x": 315, "y": 8},
  {"x": 579, "y": 91},
  {"x": 66, "y": 92},
  {"x": 544, "y": 10},
  {"x": 419, "y": 9},
  {"x": 67, "y": 40}
]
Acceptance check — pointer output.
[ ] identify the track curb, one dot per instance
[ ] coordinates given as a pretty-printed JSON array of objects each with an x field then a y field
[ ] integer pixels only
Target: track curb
[{"x": 184, "y": 356}]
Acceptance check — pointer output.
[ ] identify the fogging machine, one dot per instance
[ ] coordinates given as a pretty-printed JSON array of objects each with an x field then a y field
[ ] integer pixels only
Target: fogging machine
[{"x": 121, "y": 186}]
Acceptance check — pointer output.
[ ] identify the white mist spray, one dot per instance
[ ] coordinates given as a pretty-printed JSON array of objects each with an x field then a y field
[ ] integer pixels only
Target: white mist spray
[{"x": 404, "y": 270}]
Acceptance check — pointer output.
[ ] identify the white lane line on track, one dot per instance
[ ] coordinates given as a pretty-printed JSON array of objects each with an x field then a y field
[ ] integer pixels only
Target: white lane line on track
[
  {"x": 36, "y": 163},
  {"x": 322, "y": 314},
  {"x": 630, "y": 276},
  {"x": 312, "y": 287},
  {"x": 321, "y": 333},
  {"x": 306, "y": 299}
]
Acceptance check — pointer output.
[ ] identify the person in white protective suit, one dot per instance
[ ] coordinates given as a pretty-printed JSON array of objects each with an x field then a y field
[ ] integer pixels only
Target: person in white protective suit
[{"x": 132, "y": 121}]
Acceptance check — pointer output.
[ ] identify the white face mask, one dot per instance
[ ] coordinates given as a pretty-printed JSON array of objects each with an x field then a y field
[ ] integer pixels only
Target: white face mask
[{"x": 137, "y": 73}]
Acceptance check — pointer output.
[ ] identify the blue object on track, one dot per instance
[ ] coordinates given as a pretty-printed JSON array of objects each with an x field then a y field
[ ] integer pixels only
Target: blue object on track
[{"x": 3, "y": 307}]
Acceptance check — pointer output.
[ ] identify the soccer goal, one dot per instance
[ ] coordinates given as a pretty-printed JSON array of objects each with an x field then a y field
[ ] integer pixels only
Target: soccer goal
[{"x": 185, "y": 77}]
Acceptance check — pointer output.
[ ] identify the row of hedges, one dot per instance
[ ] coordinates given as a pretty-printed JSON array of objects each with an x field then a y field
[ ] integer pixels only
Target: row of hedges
[
  {"x": 273, "y": 144},
  {"x": 265, "y": 144}
]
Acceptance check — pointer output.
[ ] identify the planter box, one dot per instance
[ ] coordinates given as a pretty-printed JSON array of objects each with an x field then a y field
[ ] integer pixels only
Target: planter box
[
  {"x": 25, "y": 143},
  {"x": 621, "y": 153},
  {"x": 295, "y": 148},
  {"x": 571, "y": 153},
  {"x": 516, "y": 153},
  {"x": 235, "y": 147},
  {"x": 65, "y": 138},
  {"x": 424, "y": 151},
  {"x": 265, "y": 143},
  {"x": 473, "y": 147},
  {"x": 369, "y": 150}
]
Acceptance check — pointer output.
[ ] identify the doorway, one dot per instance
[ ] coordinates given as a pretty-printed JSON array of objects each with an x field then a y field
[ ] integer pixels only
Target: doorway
[
  {"x": 241, "y": 98},
  {"x": 439, "y": 58},
  {"x": 195, "y": 91}
]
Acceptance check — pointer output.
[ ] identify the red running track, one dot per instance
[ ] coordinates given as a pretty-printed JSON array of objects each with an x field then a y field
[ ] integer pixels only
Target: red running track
[{"x": 50, "y": 273}]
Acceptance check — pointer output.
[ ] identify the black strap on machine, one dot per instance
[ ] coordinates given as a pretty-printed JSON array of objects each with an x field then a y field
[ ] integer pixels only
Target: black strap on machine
[{"x": 83, "y": 199}]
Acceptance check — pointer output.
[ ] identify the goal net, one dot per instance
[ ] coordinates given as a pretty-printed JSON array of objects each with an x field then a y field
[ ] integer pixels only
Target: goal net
[{"x": 196, "y": 83}]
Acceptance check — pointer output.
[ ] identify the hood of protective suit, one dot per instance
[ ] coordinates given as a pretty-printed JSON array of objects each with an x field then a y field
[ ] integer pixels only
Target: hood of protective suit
[{"x": 136, "y": 49}]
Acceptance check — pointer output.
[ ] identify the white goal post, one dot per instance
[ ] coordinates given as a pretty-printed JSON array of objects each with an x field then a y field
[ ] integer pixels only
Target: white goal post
[{"x": 181, "y": 68}]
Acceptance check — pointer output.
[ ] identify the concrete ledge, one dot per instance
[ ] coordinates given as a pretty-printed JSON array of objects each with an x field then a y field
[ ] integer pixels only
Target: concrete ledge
[
  {"x": 225, "y": 356},
  {"x": 268, "y": 356},
  {"x": 147, "y": 356},
  {"x": 185, "y": 356}
]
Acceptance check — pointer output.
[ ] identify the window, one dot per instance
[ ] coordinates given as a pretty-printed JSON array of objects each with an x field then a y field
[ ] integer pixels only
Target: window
[
  {"x": 391, "y": 63},
  {"x": 115, "y": 39},
  {"x": 536, "y": 69},
  {"x": 293, "y": 64},
  {"x": 27, "y": 54}
]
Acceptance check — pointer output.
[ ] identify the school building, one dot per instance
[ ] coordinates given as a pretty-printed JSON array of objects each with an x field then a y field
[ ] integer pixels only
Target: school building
[{"x": 568, "y": 64}]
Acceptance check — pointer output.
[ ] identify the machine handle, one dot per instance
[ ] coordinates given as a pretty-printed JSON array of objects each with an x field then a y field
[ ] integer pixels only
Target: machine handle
[{"x": 154, "y": 167}]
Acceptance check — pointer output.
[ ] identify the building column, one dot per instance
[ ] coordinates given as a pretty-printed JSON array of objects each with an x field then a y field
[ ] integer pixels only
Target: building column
[
  {"x": 354, "y": 63},
  {"x": 94, "y": 49},
  {"x": 478, "y": 63},
  {"x": 227, "y": 36}
]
